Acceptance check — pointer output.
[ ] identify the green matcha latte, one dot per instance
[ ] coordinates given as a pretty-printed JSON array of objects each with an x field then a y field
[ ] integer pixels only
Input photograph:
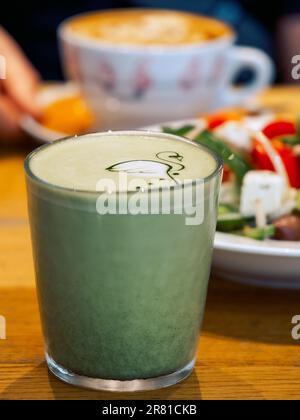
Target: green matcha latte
[{"x": 121, "y": 296}]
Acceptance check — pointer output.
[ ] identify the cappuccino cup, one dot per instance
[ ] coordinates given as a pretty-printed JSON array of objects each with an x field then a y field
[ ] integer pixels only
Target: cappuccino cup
[{"x": 137, "y": 67}]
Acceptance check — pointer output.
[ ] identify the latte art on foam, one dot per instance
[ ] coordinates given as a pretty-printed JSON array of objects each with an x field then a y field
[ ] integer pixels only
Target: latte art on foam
[
  {"x": 148, "y": 27},
  {"x": 80, "y": 163}
]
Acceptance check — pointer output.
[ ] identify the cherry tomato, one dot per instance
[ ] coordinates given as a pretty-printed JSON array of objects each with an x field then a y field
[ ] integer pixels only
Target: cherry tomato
[
  {"x": 215, "y": 120},
  {"x": 226, "y": 174},
  {"x": 262, "y": 161},
  {"x": 280, "y": 128}
]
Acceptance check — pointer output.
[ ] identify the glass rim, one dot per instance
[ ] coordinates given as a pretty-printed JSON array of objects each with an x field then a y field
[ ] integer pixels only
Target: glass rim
[{"x": 147, "y": 133}]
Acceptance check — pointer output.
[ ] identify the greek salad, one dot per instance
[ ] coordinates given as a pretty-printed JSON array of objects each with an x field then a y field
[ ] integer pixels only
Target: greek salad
[{"x": 260, "y": 195}]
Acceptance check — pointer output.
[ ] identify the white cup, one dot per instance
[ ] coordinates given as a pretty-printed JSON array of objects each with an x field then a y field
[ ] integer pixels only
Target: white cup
[{"x": 134, "y": 86}]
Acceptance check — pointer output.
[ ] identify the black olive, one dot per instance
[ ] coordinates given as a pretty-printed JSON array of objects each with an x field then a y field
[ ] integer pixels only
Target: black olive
[{"x": 287, "y": 228}]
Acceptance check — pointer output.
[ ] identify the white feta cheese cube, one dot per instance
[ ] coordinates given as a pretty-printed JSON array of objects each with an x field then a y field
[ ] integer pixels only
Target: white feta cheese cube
[
  {"x": 240, "y": 133},
  {"x": 236, "y": 134},
  {"x": 264, "y": 186}
]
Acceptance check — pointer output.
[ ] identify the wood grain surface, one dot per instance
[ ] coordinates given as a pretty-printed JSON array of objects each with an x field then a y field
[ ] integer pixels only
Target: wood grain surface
[{"x": 246, "y": 350}]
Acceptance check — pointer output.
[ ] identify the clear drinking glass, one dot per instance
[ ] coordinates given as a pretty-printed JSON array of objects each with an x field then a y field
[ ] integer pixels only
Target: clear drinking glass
[{"x": 121, "y": 296}]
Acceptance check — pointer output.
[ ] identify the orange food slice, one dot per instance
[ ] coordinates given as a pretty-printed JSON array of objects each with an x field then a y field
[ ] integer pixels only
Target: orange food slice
[{"x": 69, "y": 115}]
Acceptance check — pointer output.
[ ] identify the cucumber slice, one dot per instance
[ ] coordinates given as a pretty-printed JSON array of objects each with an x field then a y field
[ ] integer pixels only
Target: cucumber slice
[
  {"x": 259, "y": 234},
  {"x": 182, "y": 131},
  {"x": 230, "y": 222},
  {"x": 227, "y": 208},
  {"x": 238, "y": 165},
  {"x": 297, "y": 204}
]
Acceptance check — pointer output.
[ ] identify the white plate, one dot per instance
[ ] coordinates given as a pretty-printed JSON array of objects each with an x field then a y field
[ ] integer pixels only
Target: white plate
[
  {"x": 48, "y": 94},
  {"x": 270, "y": 263}
]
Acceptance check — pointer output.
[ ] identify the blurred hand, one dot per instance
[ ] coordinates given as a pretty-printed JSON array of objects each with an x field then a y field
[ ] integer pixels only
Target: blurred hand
[{"x": 17, "y": 90}]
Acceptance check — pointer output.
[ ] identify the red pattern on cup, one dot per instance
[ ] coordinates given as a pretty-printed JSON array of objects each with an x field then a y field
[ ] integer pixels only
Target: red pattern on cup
[
  {"x": 142, "y": 80},
  {"x": 107, "y": 75},
  {"x": 191, "y": 75}
]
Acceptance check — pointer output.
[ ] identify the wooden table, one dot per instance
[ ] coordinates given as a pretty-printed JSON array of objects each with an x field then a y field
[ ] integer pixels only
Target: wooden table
[{"x": 246, "y": 350}]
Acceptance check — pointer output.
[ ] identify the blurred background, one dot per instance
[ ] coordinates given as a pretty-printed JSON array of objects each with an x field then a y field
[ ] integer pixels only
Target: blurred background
[{"x": 273, "y": 27}]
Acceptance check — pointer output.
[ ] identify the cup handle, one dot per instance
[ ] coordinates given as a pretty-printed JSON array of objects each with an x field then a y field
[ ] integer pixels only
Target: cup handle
[{"x": 250, "y": 58}]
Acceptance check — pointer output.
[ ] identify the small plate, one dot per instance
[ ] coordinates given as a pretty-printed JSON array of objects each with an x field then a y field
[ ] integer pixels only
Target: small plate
[
  {"x": 271, "y": 264},
  {"x": 48, "y": 94}
]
